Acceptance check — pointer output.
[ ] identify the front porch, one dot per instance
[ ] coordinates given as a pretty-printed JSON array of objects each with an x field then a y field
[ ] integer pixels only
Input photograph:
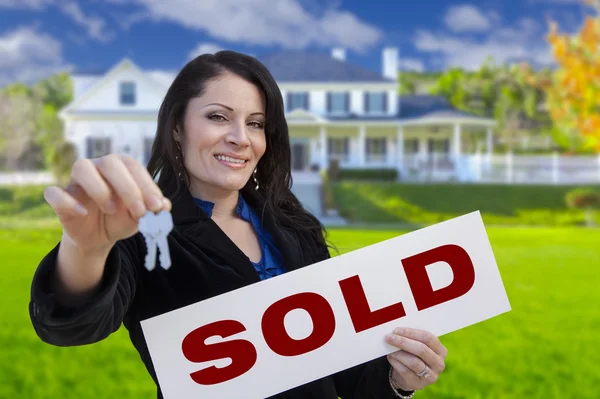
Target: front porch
[{"x": 419, "y": 151}]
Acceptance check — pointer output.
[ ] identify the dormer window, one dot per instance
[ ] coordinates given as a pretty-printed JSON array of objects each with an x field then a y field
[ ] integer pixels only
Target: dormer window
[
  {"x": 338, "y": 103},
  {"x": 375, "y": 102},
  {"x": 127, "y": 93},
  {"x": 297, "y": 100}
]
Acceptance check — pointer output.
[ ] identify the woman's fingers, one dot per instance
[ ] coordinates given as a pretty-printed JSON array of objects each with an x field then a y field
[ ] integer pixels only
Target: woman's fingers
[
  {"x": 122, "y": 182},
  {"x": 153, "y": 197},
  {"x": 418, "y": 349},
  {"x": 425, "y": 337},
  {"x": 407, "y": 380},
  {"x": 412, "y": 362},
  {"x": 113, "y": 179},
  {"x": 86, "y": 175},
  {"x": 63, "y": 203}
]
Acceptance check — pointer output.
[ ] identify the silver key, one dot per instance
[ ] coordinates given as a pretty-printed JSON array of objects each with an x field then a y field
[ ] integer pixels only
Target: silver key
[
  {"x": 155, "y": 228},
  {"x": 149, "y": 230},
  {"x": 164, "y": 221}
]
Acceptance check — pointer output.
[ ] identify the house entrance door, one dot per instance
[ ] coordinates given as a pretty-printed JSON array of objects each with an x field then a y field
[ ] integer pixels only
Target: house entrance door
[{"x": 299, "y": 155}]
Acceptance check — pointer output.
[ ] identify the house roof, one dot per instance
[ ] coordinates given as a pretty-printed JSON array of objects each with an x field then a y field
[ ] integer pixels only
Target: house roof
[
  {"x": 428, "y": 106},
  {"x": 294, "y": 66},
  {"x": 305, "y": 66}
]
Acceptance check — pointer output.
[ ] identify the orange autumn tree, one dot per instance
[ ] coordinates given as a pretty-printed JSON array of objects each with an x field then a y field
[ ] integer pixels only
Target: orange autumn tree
[{"x": 573, "y": 91}]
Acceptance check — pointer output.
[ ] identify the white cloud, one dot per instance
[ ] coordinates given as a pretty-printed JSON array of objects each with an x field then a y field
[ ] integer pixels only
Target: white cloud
[
  {"x": 204, "y": 48},
  {"x": 96, "y": 27},
  {"x": 28, "y": 55},
  {"x": 265, "y": 22},
  {"x": 466, "y": 18},
  {"x": 523, "y": 42},
  {"x": 24, "y": 4},
  {"x": 411, "y": 64}
]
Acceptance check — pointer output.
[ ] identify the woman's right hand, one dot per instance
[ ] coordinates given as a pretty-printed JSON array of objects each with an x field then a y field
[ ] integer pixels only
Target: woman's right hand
[{"x": 104, "y": 201}]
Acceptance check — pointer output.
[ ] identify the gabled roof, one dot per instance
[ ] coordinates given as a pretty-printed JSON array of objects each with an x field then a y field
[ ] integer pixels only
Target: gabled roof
[
  {"x": 305, "y": 66},
  {"x": 125, "y": 63}
]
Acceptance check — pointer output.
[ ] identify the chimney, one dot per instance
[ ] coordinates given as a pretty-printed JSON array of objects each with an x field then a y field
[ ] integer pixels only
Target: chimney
[
  {"x": 389, "y": 62},
  {"x": 338, "y": 53}
]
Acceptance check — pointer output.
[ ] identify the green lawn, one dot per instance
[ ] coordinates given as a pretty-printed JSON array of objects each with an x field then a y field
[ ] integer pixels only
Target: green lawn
[
  {"x": 547, "y": 347},
  {"x": 425, "y": 204}
]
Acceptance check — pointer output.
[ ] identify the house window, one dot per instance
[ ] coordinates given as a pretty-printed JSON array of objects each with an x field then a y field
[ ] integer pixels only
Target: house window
[
  {"x": 127, "y": 93},
  {"x": 297, "y": 100},
  {"x": 440, "y": 146},
  {"x": 338, "y": 148},
  {"x": 376, "y": 102},
  {"x": 411, "y": 146},
  {"x": 148, "y": 141},
  {"x": 376, "y": 149},
  {"x": 97, "y": 147},
  {"x": 338, "y": 102}
]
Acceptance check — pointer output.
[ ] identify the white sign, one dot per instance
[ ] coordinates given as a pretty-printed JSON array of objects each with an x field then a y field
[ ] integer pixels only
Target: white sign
[{"x": 280, "y": 333}]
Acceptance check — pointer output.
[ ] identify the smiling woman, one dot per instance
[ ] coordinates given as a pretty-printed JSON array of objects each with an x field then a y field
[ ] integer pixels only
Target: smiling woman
[{"x": 221, "y": 163}]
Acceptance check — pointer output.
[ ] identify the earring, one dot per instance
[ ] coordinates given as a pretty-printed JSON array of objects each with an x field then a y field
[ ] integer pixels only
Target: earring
[
  {"x": 255, "y": 179},
  {"x": 179, "y": 158}
]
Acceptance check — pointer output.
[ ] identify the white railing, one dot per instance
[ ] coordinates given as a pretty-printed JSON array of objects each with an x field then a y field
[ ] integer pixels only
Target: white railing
[
  {"x": 507, "y": 168},
  {"x": 545, "y": 169},
  {"x": 26, "y": 178}
]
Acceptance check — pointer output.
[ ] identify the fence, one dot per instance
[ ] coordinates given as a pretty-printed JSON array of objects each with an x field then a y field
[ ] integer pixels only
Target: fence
[
  {"x": 25, "y": 178},
  {"x": 548, "y": 169},
  {"x": 507, "y": 168}
]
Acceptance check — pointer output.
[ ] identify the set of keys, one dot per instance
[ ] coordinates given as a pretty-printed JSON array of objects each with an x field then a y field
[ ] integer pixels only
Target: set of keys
[{"x": 155, "y": 228}]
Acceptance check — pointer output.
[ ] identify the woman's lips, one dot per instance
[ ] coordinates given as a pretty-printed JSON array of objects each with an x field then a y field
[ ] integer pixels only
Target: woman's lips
[{"x": 233, "y": 165}]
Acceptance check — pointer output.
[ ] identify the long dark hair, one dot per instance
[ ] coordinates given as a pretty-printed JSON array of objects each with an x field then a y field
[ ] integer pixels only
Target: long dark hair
[{"x": 273, "y": 169}]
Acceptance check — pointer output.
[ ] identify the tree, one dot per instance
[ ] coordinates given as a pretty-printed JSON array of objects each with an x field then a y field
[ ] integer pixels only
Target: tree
[
  {"x": 56, "y": 90},
  {"x": 17, "y": 126},
  {"x": 63, "y": 159},
  {"x": 453, "y": 86},
  {"x": 496, "y": 91},
  {"x": 573, "y": 92},
  {"x": 30, "y": 130},
  {"x": 407, "y": 84}
]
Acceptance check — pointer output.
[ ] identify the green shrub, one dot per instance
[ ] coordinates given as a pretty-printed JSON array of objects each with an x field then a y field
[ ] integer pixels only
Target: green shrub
[
  {"x": 583, "y": 198},
  {"x": 15, "y": 200},
  {"x": 587, "y": 199},
  {"x": 383, "y": 174}
]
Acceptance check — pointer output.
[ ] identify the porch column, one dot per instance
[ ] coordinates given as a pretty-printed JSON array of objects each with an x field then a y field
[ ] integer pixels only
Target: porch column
[
  {"x": 362, "y": 133},
  {"x": 489, "y": 144},
  {"x": 456, "y": 150},
  {"x": 400, "y": 149},
  {"x": 422, "y": 149},
  {"x": 323, "y": 147}
]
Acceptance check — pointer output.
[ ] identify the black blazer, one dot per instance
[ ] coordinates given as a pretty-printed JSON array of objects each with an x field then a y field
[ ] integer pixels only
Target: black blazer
[{"x": 206, "y": 263}]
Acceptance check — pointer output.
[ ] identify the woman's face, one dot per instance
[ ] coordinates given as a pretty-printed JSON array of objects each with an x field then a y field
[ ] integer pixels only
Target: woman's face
[{"x": 224, "y": 135}]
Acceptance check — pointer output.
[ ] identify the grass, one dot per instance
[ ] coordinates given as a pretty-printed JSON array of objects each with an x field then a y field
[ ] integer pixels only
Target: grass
[
  {"x": 546, "y": 347},
  {"x": 424, "y": 204}
]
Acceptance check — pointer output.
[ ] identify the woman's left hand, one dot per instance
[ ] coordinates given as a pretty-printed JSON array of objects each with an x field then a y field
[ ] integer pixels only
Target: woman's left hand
[{"x": 420, "y": 360}]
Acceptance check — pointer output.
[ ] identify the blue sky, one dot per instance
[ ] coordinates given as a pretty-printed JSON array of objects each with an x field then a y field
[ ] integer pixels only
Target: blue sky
[{"x": 39, "y": 37}]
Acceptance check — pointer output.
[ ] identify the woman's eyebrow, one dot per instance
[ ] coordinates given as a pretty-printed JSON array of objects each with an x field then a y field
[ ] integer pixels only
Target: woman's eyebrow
[
  {"x": 219, "y": 104},
  {"x": 231, "y": 109}
]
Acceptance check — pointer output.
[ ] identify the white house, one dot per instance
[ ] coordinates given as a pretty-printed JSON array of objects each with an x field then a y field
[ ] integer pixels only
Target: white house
[{"x": 334, "y": 110}]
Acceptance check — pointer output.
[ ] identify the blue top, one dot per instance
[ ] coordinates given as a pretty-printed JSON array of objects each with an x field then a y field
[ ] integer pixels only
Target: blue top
[{"x": 271, "y": 263}]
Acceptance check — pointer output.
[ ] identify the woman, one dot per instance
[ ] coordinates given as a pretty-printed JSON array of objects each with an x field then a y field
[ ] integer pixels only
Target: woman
[{"x": 222, "y": 159}]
